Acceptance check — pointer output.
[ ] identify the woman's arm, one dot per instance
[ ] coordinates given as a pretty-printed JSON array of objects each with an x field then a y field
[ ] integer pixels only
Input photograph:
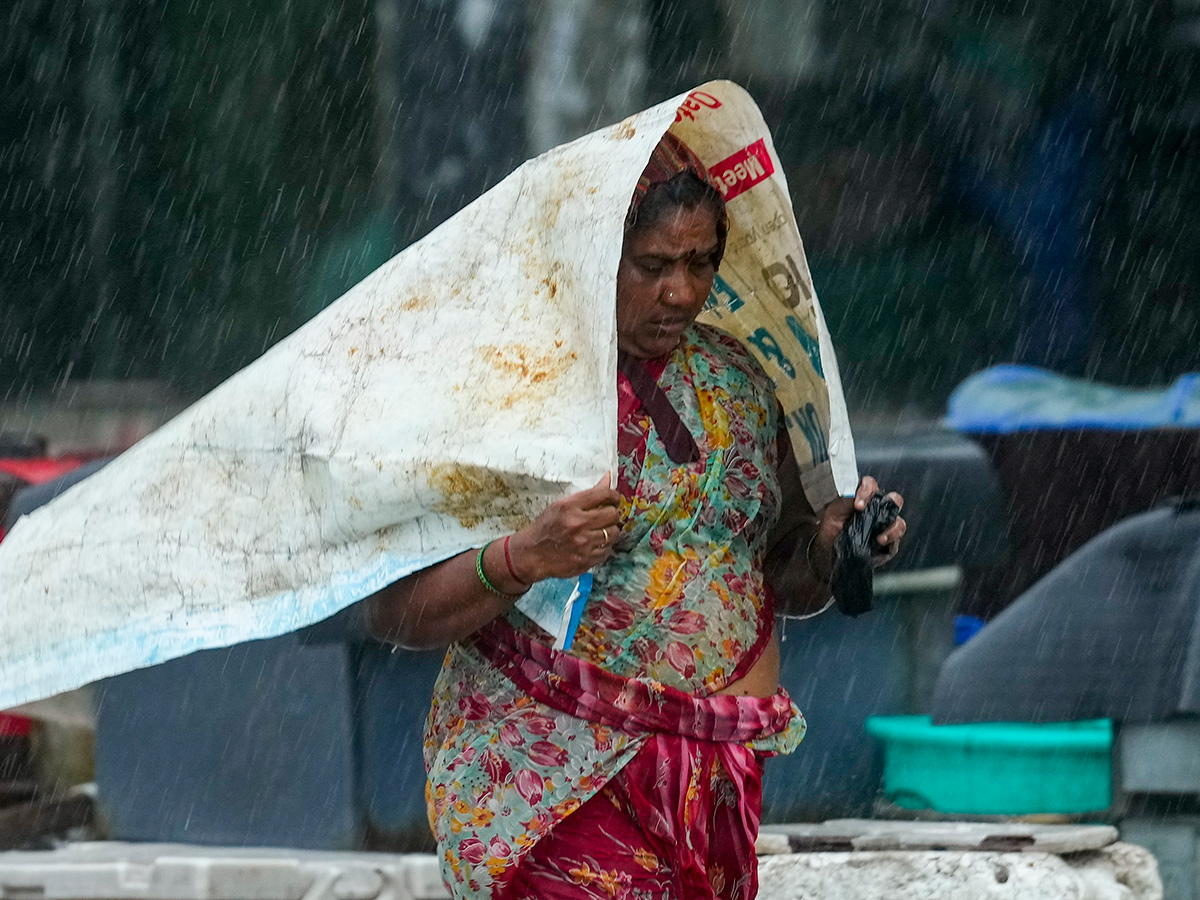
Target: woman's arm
[
  {"x": 448, "y": 601},
  {"x": 795, "y": 567},
  {"x": 799, "y": 557}
]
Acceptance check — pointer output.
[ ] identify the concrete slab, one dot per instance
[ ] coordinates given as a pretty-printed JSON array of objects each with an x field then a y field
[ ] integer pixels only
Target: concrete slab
[
  {"x": 876, "y": 834},
  {"x": 1123, "y": 873},
  {"x": 116, "y": 871}
]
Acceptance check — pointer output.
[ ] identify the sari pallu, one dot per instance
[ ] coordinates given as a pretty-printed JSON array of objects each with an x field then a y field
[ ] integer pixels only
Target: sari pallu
[{"x": 633, "y": 705}]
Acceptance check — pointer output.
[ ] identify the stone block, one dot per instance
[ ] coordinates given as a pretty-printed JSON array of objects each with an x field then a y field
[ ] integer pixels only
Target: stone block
[{"x": 1123, "y": 873}]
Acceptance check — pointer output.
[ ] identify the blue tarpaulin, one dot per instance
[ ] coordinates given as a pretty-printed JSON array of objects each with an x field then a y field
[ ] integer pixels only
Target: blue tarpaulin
[{"x": 1006, "y": 399}]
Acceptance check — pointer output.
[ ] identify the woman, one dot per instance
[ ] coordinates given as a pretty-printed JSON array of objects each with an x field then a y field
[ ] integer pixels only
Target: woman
[{"x": 630, "y": 765}]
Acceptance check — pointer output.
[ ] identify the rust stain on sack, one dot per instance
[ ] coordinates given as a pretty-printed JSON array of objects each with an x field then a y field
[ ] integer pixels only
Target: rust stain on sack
[
  {"x": 527, "y": 364},
  {"x": 550, "y": 211},
  {"x": 531, "y": 375},
  {"x": 472, "y": 495},
  {"x": 624, "y": 131},
  {"x": 552, "y": 280},
  {"x": 412, "y": 304}
]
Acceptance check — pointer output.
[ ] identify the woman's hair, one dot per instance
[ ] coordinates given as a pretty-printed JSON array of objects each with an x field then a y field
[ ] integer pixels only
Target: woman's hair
[{"x": 685, "y": 190}]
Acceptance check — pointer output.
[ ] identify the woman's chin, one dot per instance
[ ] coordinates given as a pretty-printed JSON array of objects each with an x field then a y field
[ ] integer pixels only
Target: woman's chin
[{"x": 659, "y": 345}]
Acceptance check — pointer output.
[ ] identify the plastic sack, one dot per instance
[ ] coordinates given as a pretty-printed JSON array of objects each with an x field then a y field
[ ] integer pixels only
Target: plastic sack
[
  {"x": 443, "y": 401},
  {"x": 853, "y": 581}
]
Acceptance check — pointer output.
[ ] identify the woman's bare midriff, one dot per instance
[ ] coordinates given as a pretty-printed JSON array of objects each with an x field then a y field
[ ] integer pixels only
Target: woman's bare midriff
[{"x": 763, "y": 678}]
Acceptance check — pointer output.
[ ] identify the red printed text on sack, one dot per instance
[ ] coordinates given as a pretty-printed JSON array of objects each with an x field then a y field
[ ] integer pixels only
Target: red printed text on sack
[
  {"x": 695, "y": 102},
  {"x": 742, "y": 171}
]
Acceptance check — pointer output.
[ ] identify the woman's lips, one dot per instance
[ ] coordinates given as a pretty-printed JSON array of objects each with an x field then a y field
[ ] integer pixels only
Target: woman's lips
[{"x": 669, "y": 324}]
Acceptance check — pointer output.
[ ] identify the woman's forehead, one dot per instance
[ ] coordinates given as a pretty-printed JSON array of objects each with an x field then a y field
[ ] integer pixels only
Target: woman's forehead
[{"x": 677, "y": 233}]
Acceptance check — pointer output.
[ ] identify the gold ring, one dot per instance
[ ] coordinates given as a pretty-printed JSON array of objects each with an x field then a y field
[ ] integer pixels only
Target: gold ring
[{"x": 605, "y": 530}]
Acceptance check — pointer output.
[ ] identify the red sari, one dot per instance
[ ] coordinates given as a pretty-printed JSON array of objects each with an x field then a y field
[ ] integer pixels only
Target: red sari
[{"x": 680, "y": 819}]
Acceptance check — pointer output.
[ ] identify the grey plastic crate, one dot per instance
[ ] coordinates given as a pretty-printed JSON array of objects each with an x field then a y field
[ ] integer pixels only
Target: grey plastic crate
[{"x": 250, "y": 745}]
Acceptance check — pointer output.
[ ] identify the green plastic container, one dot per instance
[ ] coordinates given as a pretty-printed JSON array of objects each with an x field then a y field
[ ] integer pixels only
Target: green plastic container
[{"x": 996, "y": 768}]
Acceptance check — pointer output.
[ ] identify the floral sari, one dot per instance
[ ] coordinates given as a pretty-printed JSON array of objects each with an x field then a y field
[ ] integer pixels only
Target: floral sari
[{"x": 520, "y": 736}]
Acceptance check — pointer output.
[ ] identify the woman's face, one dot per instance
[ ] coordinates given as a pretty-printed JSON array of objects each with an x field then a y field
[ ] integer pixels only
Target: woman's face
[{"x": 664, "y": 278}]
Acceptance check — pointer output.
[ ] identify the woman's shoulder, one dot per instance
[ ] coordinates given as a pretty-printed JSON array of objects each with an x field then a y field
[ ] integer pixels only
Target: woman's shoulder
[{"x": 728, "y": 351}]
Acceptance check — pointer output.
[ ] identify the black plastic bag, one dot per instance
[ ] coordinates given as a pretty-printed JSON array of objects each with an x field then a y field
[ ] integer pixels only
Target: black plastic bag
[{"x": 853, "y": 579}]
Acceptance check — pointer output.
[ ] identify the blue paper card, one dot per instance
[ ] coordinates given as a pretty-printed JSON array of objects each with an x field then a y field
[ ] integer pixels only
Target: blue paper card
[{"x": 556, "y": 605}]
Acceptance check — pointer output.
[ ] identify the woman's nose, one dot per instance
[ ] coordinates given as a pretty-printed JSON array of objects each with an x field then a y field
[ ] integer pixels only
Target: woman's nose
[{"x": 678, "y": 290}]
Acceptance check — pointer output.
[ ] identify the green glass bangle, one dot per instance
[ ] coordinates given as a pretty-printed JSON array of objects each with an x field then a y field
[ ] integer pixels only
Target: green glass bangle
[{"x": 483, "y": 579}]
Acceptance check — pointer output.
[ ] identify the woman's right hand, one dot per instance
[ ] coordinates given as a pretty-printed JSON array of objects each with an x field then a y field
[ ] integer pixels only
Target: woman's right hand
[{"x": 571, "y": 535}]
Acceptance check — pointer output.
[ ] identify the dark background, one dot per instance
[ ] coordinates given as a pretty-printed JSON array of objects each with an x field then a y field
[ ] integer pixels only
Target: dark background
[{"x": 184, "y": 183}]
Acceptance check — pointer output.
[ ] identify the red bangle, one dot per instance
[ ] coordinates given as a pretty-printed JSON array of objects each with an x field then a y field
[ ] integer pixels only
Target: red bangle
[{"x": 508, "y": 562}]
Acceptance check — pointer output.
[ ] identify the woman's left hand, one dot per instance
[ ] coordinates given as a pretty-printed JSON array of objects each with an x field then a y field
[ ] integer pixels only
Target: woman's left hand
[{"x": 838, "y": 513}]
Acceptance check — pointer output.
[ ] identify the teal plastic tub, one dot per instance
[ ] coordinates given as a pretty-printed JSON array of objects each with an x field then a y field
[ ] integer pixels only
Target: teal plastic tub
[{"x": 996, "y": 768}]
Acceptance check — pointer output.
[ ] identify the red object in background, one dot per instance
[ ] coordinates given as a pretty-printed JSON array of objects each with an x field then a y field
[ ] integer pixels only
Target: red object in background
[
  {"x": 12, "y": 725},
  {"x": 39, "y": 469}
]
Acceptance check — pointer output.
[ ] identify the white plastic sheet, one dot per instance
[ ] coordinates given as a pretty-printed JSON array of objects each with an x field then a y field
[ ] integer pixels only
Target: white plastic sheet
[{"x": 443, "y": 401}]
